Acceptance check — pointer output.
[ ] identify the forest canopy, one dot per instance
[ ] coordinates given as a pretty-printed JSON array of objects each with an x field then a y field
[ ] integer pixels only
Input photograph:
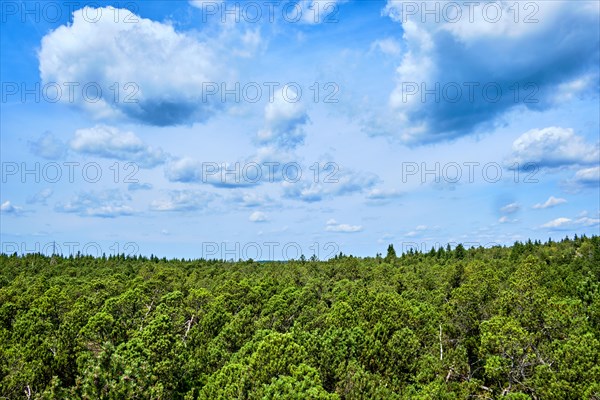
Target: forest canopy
[{"x": 515, "y": 322}]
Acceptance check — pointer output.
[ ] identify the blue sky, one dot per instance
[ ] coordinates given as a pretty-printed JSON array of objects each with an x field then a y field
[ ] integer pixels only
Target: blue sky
[{"x": 267, "y": 130}]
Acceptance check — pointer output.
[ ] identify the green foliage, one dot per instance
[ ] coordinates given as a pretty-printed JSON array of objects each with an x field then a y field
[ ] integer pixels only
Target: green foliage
[
  {"x": 391, "y": 254},
  {"x": 518, "y": 323}
]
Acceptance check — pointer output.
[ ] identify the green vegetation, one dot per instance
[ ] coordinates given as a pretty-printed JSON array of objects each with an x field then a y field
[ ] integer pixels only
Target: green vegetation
[{"x": 520, "y": 322}]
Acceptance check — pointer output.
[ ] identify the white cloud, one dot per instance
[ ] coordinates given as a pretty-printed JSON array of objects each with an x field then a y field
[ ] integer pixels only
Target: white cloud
[
  {"x": 557, "y": 223},
  {"x": 574, "y": 89},
  {"x": 265, "y": 166},
  {"x": 8, "y": 208},
  {"x": 551, "y": 202},
  {"x": 490, "y": 52},
  {"x": 221, "y": 175},
  {"x": 159, "y": 72},
  {"x": 586, "y": 221},
  {"x": 505, "y": 220},
  {"x": 553, "y": 147},
  {"x": 185, "y": 169},
  {"x": 250, "y": 41},
  {"x": 346, "y": 182},
  {"x": 110, "y": 142},
  {"x": 258, "y": 216},
  {"x": 588, "y": 177},
  {"x": 333, "y": 226},
  {"x": 250, "y": 199},
  {"x": 419, "y": 230},
  {"x": 568, "y": 223},
  {"x": 285, "y": 118},
  {"x": 473, "y": 23},
  {"x": 103, "y": 204},
  {"x": 382, "y": 195},
  {"x": 510, "y": 208}
]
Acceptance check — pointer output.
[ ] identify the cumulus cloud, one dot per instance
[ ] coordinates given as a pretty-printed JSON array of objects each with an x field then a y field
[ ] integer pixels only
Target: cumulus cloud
[
  {"x": 8, "y": 208},
  {"x": 481, "y": 69},
  {"x": 333, "y": 226},
  {"x": 268, "y": 165},
  {"x": 110, "y": 142},
  {"x": 553, "y": 147},
  {"x": 551, "y": 202},
  {"x": 258, "y": 216},
  {"x": 48, "y": 146},
  {"x": 285, "y": 118},
  {"x": 102, "y": 204},
  {"x": 183, "y": 200},
  {"x": 159, "y": 72},
  {"x": 185, "y": 169}
]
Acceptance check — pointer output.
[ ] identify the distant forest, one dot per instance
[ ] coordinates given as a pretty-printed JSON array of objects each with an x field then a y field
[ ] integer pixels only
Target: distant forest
[{"x": 518, "y": 322}]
